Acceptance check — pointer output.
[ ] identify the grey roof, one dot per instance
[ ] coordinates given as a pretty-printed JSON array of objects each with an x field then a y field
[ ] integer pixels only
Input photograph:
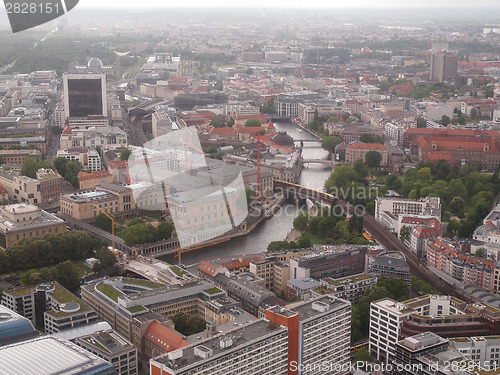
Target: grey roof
[
  {"x": 49, "y": 355},
  {"x": 303, "y": 284}
]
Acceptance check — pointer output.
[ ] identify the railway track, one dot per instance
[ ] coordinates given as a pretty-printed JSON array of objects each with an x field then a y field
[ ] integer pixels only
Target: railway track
[{"x": 417, "y": 267}]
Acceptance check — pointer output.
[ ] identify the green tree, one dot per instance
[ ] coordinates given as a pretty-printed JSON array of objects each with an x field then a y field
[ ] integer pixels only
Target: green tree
[
  {"x": 404, "y": 233},
  {"x": 32, "y": 165},
  {"x": 250, "y": 195},
  {"x": 445, "y": 120},
  {"x": 188, "y": 324},
  {"x": 304, "y": 242},
  {"x": 421, "y": 287},
  {"x": 457, "y": 204},
  {"x": 396, "y": 287},
  {"x": 103, "y": 222},
  {"x": 252, "y": 122},
  {"x": 106, "y": 259},
  {"x": 73, "y": 167},
  {"x": 342, "y": 176},
  {"x": 373, "y": 159},
  {"x": 424, "y": 174},
  {"x": 281, "y": 245},
  {"x": 67, "y": 274},
  {"x": 489, "y": 92},
  {"x": 56, "y": 130},
  {"x": 362, "y": 356},
  {"x": 421, "y": 122},
  {"x": 481, "y": 253},
  {"x": 165, "y": 229},
  {"x": 300, "y": 222},
  {"x": 125, "y": 154},
  {"x": 60, "y": 165},
  {"x": 360, "y": 168},
  {"x": 329, "y": 143},
  {"x": 473, "y": 113}
]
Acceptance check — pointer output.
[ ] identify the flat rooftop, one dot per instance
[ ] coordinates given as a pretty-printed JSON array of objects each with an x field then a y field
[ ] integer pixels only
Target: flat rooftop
[
  {"x": 107, "y": 341},
  {"x": 48, "y": 355},
  {"x": 348, "y": 280},
  {"x": 397, "y": 308},
  {"x": 306, "y": 310},
  {"x": 241, "y": 336},
  {"x": 91, "y": 196}
]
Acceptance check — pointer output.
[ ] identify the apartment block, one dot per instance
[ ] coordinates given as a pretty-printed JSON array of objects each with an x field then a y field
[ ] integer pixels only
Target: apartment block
[
  {"x": 289, "y": 341},
  {"x": 386, "y": 319},
  {"x": 350, "y": 288},
  {"x": 329, "y": 261},
  {"x": 400, "y": 206}
]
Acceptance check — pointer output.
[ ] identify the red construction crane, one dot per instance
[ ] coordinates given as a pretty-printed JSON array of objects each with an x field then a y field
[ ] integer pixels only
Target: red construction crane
[{"x": 258, "y": 169}]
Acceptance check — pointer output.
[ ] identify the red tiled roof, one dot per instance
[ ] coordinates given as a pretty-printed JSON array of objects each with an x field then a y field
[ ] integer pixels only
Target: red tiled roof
[
  {"x": 117, "y": 164},
  {"x": 224, "y": 132},
  {"x": 368, "y": 146},
  {"x": 82, "y": 176},
  {"x": 241, "y": 262},
  {"x": 165, "y": 337},
  {"x": 250, "y": 130},
  {"x": 3, "y": 190},
  {"x": 206, "y": 267},
  {"x": 67, "y": 130}
]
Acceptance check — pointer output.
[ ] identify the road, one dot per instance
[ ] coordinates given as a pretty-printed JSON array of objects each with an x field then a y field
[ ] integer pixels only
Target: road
[{"x": 8, "y": 66}]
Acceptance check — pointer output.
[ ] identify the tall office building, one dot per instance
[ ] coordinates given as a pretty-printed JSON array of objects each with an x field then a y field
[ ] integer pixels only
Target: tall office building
[
  {"x": 444, "y": 63},
  {"x": 311, "y": 338},
  {"x": 85, "y": 95}
]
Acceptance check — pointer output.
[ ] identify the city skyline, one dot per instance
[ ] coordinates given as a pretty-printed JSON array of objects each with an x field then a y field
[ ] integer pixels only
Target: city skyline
[{"x": 287, "y": 4}]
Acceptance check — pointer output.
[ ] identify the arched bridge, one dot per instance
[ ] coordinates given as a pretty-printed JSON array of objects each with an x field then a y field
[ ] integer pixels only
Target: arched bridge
[
  {"x": 318, "y": 161},
  {"x": 301, "y": 192}
]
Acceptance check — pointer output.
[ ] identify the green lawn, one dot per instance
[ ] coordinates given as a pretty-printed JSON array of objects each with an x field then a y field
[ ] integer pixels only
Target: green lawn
[
  {"x": 109, "y": 291},
  {"x": 179, "y": 272},
  {"x": 135, "y": 309}
]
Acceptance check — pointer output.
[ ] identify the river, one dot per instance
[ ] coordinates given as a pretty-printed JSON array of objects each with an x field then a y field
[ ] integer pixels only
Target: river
[{"x": 277, "y": 227}]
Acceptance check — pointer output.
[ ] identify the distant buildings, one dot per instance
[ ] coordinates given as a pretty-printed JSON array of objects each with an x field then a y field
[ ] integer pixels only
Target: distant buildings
[
  {"x": 91, "y": 180},
  {"x": 359, "y": 150},
  {"x": 326, "y": 56},
  {"x": 444, "y": 63},
  {"x": 45, "y": 188}
]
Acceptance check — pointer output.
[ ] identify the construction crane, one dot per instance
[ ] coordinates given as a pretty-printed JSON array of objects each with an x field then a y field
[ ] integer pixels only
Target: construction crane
[
  {"x": 259, "y": 192},
  {"x": 179, "y": 253},
  {"x": 112, "y": 224}
]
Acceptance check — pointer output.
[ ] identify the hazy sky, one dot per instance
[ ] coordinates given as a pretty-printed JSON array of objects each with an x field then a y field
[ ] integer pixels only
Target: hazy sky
[{"x": 287, "y": 3}]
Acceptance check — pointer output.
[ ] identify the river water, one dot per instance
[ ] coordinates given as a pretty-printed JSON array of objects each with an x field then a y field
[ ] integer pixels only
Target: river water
[{"x": 277, "y": 227}]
